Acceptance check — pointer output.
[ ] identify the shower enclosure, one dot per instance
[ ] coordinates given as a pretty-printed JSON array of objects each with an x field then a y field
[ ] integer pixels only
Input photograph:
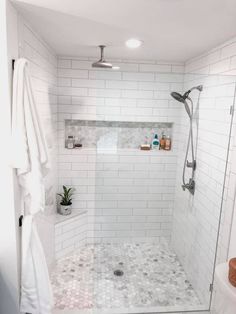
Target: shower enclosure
[
  {"x": 145, "y": 224},
  {"x": 150, "y": 238}
]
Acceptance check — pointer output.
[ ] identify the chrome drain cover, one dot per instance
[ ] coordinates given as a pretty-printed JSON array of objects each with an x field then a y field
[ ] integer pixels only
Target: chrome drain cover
[{"x": 118, "y": 272}]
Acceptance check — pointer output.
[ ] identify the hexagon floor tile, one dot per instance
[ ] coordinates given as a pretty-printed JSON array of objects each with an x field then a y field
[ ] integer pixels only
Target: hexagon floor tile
[{"x": 121, "y": 275}]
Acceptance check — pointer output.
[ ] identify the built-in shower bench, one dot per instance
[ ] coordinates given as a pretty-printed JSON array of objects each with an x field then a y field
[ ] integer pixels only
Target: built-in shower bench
[{"x": 61, "y": 235}]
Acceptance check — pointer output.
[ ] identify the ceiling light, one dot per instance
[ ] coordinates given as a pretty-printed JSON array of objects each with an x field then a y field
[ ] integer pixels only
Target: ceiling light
[
  {"x": 115, "y": 67},
  {"x": 133, "y": 43}
]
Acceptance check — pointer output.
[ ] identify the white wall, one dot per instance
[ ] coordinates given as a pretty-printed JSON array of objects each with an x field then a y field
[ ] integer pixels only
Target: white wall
[
  {"x": 9, "y": 281},
  {"x": 43, "y": 72},
  {"x": 42, "y": 65}
]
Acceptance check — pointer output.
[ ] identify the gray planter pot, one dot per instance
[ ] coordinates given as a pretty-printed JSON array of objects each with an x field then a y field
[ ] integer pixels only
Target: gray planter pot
[{"x": 64, "y": 209}]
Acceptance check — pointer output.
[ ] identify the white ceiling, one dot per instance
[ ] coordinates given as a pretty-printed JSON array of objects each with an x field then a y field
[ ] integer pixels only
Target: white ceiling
[{"x": 172, "y": 30}]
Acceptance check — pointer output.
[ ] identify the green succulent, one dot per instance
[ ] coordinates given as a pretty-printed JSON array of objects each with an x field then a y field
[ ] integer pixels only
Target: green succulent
[{"x": 66, "y": 196}]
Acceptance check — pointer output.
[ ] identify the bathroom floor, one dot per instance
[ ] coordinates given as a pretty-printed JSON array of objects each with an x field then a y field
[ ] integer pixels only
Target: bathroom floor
[{"x": 129, "y": 275}]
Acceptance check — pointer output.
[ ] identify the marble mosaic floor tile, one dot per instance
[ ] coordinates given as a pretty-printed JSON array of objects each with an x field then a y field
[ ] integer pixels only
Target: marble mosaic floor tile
[{"x": 121, "y": 275}]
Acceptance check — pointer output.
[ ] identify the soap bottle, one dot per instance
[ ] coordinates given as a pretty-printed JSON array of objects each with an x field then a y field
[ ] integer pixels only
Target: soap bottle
[
  {"x": 70, "y": 142},
  {"x": 162, "y": 141},
  {"x": 77, "y": 143},
  {"x": 168, "y": 143},
  {"x": 155, "y": 142}
]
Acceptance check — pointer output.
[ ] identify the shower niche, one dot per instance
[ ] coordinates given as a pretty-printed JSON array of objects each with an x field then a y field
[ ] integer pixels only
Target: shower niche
[{"x": 115, "y": 134}]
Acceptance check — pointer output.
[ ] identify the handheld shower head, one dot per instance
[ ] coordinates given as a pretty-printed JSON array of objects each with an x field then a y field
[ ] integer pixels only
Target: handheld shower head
[
  {"x": 182, "y": 98},
  {"x": 178, "y": 97},
  {"x": 199, "y": 88}
]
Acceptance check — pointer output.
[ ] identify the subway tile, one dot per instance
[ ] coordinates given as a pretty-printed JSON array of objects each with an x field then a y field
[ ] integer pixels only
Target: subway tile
[
  {"x": 81, "y": 64},
  {"x": 155, "y": 68},
  {"x": 116, "y": 226},
  {"x": 87, "y": 83},
  {"x": 105, "y": 75},
  {"x": 71, "y": 73},
  {"x": 127, "y": 66},
  {"x": 87, "y": 101},
  {"x": 220, "y": 67},
  {"x": 72, "y": 91},
  {"x": 121, "y": 84},
  {"x": 137, "y": 94},
  {"x": 64, "y": 63},
  {"x": 177, "y": 68},
  {"x": 64, "y": 99},
  {"x": 128, "y": 76},
  {"x": 113, "y": 93},
  {"x": 61, "y": 81}
]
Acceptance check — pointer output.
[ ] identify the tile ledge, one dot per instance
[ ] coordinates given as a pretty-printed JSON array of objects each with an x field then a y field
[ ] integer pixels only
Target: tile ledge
[
  {"x": 57, "y": 218},
  {"x": 124, "y": 151}
]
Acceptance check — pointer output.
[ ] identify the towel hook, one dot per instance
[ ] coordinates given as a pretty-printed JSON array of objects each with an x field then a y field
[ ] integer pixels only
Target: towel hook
[{"x": 20, "y": 220}]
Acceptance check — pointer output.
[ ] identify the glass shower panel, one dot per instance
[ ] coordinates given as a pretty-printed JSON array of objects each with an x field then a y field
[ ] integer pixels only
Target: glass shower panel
[
  {"x": 151, "y": 245},
  {"x": 196, "y": 218}
]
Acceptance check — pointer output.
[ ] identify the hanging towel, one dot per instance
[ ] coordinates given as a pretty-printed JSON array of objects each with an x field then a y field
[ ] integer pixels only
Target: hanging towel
[
  {"x": 36, "y": 295},
  {"x": 30, "y": 159}
]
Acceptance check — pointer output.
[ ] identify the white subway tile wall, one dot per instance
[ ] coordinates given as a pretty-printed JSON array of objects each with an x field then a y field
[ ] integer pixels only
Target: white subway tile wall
[
  {"x": 70, "y": 235},
  {"x": 128, "y": 193},
  {"x": 118, "y": 211},
  {"x": 195, "y": 222}
]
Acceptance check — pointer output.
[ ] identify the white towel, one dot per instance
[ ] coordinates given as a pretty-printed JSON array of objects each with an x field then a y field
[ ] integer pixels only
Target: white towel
[
  {"x": 36, "y": 293},
  {"x": 29, "y": 146},
  {"x": 31, "y": 163}
]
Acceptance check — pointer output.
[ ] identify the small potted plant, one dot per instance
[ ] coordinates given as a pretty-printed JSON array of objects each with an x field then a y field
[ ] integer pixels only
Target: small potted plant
[{"x": 66, "y": 201}]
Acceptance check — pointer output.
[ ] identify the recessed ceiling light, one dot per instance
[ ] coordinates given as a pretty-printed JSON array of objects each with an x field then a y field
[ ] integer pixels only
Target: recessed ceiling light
[
  {"x": 115, "y": 67},
  {"x": 133, "y": 43}
]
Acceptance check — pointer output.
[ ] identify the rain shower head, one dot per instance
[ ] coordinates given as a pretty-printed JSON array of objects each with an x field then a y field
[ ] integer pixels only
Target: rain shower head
[{"x": 101, "y": 63}]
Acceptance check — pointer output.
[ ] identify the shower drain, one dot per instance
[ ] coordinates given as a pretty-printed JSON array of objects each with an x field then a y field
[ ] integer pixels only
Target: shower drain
[{"x": 118, "y": 272}]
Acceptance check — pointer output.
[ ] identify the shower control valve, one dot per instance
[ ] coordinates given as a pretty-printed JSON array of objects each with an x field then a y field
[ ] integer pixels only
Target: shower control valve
[
  {"x": 191, "y": 164},
  {"x": 189, "y": 186}
]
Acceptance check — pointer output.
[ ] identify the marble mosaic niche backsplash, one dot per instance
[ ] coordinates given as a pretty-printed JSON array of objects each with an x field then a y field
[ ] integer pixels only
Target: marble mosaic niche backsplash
[{"x": 114, "y": 134}]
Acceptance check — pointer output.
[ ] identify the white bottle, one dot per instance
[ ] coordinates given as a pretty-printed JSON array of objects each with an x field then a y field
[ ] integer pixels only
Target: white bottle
[
  {"x": 155, "y": 142},
  {"x": 70, "y": 142}
]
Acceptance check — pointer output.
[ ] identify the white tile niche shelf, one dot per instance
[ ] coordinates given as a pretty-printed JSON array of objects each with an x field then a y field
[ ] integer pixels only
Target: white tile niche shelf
[
  {"x": 115, "y": 134},
  {"x": 118, "y": 151}
]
